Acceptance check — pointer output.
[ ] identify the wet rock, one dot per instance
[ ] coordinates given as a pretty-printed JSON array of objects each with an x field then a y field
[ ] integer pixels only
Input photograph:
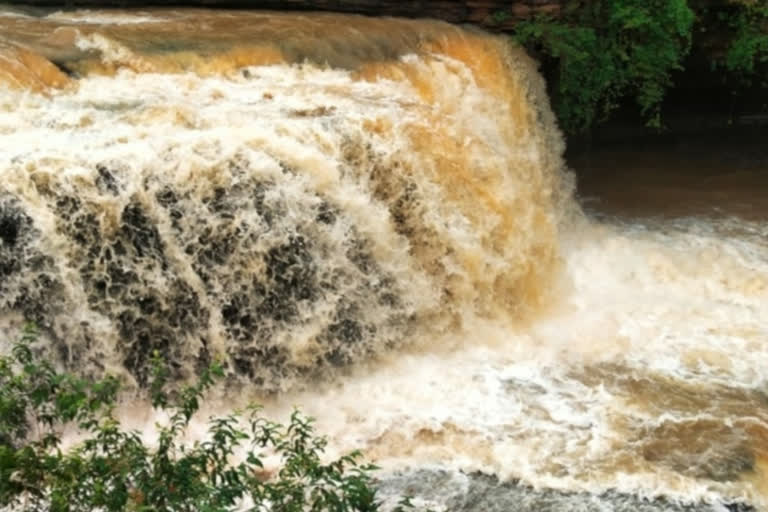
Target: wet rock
[
  {"x": 326, "y": 214},
  {"x": 16, "y": 230},
  {"x": 275, "y": 297},
  {"x": 161, "y": 323},
  {"x": 291, "y": 268},
  {"x": 265, "y": 211},
  {"x": 9, "y": 230},
  {"x": 106, "y": 180},
  {"x": 137, "y": 229},
  {"x": 271, "y": 272},
  {"x": 277, "y": 270},
  {"x": 127, "y": 278},
  {"x": 38, "y": 297},
  {"x": 168, "y": 199},
  {"x": 478, "y": 492},
  {"x": 28, "y": 283},
  {"x": 739, "y": 507}
]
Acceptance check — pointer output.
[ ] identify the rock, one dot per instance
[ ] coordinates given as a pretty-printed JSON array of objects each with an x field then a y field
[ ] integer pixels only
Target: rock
[{"x": 477, "y": 492}]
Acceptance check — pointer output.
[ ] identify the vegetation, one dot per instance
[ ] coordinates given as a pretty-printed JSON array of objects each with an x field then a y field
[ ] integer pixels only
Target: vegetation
[
  {"x": 746, "y": 53},
  {"x": 602, "y": 52},
  {"x": 609, "y": 49},
  {"x": 114, "y": 470}
]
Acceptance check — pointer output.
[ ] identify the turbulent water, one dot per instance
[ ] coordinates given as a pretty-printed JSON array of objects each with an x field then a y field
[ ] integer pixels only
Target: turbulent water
[{"x": 372, "y": 219}]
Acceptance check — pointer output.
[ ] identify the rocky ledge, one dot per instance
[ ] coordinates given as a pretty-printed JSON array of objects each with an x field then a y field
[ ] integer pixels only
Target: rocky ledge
[{"x": 435, "y": 489}]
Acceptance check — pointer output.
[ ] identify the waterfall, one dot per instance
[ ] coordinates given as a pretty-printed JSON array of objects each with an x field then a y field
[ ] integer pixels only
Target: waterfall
[{"x": 372, "y": 219}]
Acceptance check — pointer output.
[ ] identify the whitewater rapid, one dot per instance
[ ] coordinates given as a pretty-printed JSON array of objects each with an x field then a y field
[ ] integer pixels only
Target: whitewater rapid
[{"x": 380, "y": 229}]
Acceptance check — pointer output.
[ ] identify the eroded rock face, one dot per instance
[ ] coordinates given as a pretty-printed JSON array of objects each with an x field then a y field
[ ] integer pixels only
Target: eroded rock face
[
  {"x": 28, "y": 281},
  {"x": 168, "y": 271},
  {"x": 477, "y": 492}
]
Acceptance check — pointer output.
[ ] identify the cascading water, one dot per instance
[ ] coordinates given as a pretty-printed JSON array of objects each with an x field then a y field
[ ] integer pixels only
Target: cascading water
[{"x": 370, "y": 218}]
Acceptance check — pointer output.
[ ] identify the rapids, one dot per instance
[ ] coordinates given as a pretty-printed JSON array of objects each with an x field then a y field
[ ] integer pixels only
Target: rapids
[{"x": 372, "y": 219}]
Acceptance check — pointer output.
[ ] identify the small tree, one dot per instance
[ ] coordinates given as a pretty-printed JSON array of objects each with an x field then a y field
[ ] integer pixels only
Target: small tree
[
  {"x": 608, "y": 50},
  {"x": 113, "y": 470}
]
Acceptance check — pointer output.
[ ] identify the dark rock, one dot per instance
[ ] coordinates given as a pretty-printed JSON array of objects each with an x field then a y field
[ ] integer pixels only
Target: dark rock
[
  {"x": 326, "y": 214},
  {"x": 267, "y": 261},
  {"x": 16, "y": 230},
  {"x": 478, "y": 492},
  {"x": 28, "y": 283},
  {"x": 141, "y": 233},
  {"x": 9, "y": 229},
  {"x": 114, "y": 268},
  {"x": 161, "y": 323},
  {"x": 106, "y": 180}
]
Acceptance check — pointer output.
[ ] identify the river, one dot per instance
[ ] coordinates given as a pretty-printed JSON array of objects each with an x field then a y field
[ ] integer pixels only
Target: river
[{"x": 372, "y": 219}]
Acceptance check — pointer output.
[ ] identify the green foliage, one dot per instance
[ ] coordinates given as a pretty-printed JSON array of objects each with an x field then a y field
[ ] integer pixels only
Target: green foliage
[
  {"x": 747, "y": 52},
  {"x": 606, "y": 50},
  {"x": 113, "y": 470}
]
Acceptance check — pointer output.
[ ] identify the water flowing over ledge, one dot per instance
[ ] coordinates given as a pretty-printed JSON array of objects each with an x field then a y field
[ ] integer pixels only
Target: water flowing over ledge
[{"x": 285, "y": 217}]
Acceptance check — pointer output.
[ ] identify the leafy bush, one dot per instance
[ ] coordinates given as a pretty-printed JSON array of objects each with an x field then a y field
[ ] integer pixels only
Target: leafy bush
[
  {"x": 608, "y": 49},
  {"x": 746, "y": 55},
  {"x": 114, "y": 470}
]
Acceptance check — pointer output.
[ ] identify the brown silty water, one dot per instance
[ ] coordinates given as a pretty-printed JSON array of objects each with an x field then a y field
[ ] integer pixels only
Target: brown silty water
[{"x": 372, "y": 219}]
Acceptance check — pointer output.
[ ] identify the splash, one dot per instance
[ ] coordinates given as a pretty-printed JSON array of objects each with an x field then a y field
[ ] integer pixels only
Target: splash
[{"x": 645, "y": 378}]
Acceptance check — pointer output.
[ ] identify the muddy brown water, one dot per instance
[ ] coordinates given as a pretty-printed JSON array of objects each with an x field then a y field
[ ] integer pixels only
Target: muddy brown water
[{"x": 373, "y": 220}]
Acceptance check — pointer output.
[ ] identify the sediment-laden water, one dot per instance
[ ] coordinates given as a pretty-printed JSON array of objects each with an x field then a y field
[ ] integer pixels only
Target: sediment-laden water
[{"x": 372, "y": 219}]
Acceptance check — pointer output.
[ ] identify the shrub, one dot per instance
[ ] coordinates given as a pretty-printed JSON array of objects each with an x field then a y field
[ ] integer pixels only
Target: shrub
[
  {"x": 114, "y": 470},
  {"x": 746, "y": 54},
  {"x": 606, "y": 50}
]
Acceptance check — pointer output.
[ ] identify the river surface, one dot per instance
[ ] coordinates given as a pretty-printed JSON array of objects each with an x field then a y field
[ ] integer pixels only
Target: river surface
[{"x": 372, "y": 219}]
